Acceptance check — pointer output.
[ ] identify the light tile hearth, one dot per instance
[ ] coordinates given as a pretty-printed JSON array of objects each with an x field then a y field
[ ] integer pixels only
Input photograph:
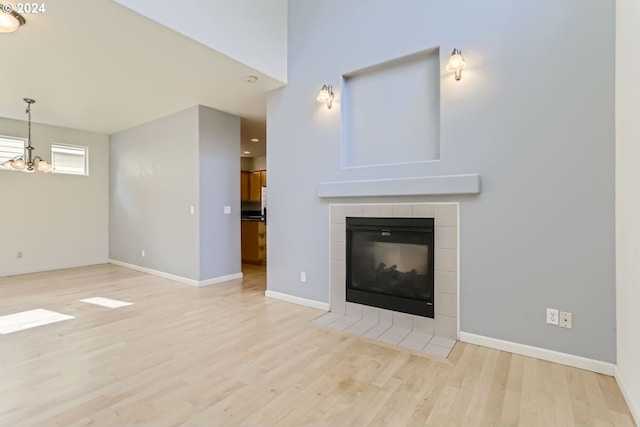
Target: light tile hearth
[
  {"x": 435, "y": 336},
  {"x": 390, "y": 329}
]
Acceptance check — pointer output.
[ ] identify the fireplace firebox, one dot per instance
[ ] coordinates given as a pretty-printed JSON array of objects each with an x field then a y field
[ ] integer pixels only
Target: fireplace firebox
[{"x": 390, "y": 263}]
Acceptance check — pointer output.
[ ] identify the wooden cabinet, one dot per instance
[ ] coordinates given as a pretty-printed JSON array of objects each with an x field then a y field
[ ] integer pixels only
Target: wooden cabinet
[
  {"x": 244, "y": 185},
  {"x": 251, "y": 183},
  {"x": 254, "y": 242},
  {"x": 255, "y": 189}
]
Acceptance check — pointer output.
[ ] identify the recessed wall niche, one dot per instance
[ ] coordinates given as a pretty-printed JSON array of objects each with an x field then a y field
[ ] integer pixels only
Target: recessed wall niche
[{"x": 391, "y": 111}]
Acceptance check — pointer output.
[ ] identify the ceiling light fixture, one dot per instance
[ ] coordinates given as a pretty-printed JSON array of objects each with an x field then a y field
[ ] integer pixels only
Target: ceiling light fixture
[
  {"x": 10, "y": 20},
  {"x": 456, "y": 63},
  {"x": 326, "y": 95},
  {"x": 27, "y": 162}
]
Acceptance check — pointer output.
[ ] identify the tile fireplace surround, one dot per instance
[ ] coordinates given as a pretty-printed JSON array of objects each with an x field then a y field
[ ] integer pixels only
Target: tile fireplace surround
[{"x": 432, "y": 336}]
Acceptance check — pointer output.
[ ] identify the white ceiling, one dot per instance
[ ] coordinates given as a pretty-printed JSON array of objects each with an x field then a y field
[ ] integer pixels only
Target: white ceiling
[{"x": 95, "y": 65}]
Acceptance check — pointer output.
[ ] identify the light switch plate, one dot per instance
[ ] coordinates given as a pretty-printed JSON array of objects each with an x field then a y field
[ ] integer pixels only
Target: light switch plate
[{"x": 227, "y": 210}]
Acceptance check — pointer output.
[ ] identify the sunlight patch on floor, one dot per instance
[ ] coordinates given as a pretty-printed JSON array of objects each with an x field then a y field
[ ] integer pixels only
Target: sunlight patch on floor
[
  {"x": 29, "y": 319},
  {"x": 106, "y": 302}
]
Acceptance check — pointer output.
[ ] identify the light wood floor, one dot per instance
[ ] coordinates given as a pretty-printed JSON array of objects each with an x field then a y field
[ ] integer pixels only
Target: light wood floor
[{"x": 224, "y": 355}]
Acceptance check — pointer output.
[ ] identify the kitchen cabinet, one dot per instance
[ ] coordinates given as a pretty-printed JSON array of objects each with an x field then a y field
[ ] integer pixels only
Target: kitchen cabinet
[
  {"x": 254, "y": 187},
  {"x": 251, "y": 183},
  {"x": 244, "y": 185},
  {"x": 254, "y": 242}
]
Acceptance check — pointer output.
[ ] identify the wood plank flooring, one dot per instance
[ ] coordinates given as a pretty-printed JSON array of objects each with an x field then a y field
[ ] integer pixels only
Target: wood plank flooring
[{"x": 225, "y": 355}]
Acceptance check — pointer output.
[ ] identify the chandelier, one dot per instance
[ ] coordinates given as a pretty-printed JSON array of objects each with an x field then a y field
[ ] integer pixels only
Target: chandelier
[{"x": 27, "y": 162}]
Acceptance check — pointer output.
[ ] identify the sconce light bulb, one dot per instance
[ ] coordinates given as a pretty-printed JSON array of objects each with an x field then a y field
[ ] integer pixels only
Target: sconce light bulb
[
  {"x": 456, "y": 63},
  {"x": 325, "y": 95}
]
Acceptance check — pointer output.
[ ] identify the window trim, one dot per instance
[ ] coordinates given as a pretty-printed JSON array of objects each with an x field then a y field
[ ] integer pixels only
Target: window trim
[{"x": 61, "y": 146}]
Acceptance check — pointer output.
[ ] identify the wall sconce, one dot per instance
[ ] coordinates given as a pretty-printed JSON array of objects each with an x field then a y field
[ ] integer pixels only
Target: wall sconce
[
  {"x": 456, "y": 63},
  {"x": 326, "y": 95}
]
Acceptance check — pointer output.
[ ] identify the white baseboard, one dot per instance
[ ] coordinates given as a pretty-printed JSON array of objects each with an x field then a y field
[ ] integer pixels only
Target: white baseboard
[
  {"x": 634, "y": 407},
  {"x": 297, "y": 300},
  {"x": 540, "y": 353},
  {"x": 52, "y": 268},
  {"x": 220, "y": 279},
  {"x": 175, "y": 278}
]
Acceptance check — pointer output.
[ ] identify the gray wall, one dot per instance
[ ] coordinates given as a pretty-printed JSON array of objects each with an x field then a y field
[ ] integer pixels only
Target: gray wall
[
  {"x": 533, "y": 115},
  {"x": 219, "y": 187},
  {"x": 55, "y": 220},
  {"x": 153, "y": 184},
  {"x": 159, "y": 170}
]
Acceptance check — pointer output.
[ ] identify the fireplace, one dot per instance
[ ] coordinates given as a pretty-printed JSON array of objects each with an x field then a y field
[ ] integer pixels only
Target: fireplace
[{"x": 390, "y": 263}]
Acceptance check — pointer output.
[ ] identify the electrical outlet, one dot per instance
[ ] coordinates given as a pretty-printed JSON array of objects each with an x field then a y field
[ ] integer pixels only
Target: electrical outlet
[
  {"x": 142, "y": 253},
  {"x": 303, "y": 277},
  {"x": 552, "y": 316},
  {"x": 19, "y": 255},
  {"x": 565, "y": 319}
]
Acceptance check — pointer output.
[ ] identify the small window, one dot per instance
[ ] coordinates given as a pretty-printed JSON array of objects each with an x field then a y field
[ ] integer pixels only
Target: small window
[
  {"x": 10, "y": 148},
  {"x": 70, "y": 159}
]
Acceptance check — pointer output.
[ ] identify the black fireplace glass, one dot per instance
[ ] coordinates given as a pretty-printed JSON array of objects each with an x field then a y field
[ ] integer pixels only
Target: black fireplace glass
[{"x": 390, "y": 263}]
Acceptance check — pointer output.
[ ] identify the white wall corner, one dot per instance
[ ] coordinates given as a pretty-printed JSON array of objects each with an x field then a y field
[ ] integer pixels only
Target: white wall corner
[
  {"x": 540, "y": 353},
  {"x": 162, "y": 274},
  {"x": 634, "y": 407},
  {"x": 186, "y": 281},
  {"x": 220, "y": 279},
  {"x": 297, "y": 300}
]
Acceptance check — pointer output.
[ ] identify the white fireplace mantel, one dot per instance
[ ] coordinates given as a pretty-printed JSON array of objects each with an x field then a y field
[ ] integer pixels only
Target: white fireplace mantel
[{"x": 416, "y": 186}]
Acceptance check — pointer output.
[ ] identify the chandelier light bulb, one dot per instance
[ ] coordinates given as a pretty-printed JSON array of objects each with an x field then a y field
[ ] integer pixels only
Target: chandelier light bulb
[
  {"x": 42, "y": 165},
  {"x": 18, "y": 164},
  {"x": 10, "y": 20}
]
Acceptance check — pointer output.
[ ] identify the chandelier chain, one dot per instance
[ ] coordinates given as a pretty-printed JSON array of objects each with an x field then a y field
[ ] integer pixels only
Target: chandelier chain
[{"x": 29, "y": 127}]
